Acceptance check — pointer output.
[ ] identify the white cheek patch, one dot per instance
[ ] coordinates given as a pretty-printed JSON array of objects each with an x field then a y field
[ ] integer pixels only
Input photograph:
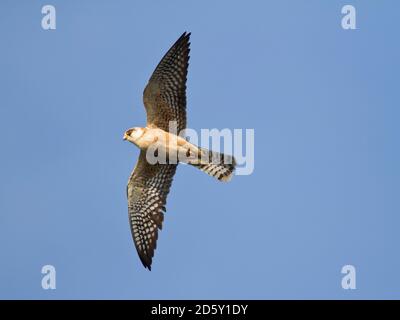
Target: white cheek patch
[{"x": 137, "y": 134}]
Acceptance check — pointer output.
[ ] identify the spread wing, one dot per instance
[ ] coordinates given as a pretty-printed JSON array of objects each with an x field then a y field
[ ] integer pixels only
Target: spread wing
[
  {"x": 165, "y": 95},
  {"x": 147, "y": 191}
]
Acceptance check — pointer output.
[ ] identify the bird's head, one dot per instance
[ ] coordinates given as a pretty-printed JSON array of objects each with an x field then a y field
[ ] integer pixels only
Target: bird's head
[{"x": 133, "y": 134}]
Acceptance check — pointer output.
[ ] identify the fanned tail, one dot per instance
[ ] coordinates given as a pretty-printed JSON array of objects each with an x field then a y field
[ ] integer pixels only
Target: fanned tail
[{"x": 215, "y": 164}]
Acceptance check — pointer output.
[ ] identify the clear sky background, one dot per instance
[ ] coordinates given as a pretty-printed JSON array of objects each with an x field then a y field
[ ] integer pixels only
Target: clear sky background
[{"x": 324, "y": 103}]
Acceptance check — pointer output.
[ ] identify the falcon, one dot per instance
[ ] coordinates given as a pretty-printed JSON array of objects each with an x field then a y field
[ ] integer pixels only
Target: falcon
[{"x": 164, "y": 99}]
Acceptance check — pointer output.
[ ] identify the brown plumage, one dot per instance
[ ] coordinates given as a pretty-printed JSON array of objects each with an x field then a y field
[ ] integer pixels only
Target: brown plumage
[
  {"x": 148, "y": 186},
  {"x": 165, "y": 95}
]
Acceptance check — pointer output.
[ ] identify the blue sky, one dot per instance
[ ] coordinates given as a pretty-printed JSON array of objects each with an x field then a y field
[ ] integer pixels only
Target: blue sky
[{"x": 324, "y": 104}]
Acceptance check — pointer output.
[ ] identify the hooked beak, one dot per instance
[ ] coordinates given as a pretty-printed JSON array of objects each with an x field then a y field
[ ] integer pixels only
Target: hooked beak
[{"x": 125, "y": 136}]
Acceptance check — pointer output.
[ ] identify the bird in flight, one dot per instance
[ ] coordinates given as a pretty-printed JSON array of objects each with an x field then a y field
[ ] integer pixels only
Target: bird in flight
[{"x": 148, "y": 186}]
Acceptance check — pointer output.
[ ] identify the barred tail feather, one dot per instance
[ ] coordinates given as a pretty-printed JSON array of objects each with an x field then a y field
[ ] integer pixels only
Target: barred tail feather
[{"x": 217, "y": 165}]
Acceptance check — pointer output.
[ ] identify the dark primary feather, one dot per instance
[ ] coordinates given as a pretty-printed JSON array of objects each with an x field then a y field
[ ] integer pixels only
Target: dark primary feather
[
  {"x": 147, "y": 191},
  {"x": 165, "y": 95}
]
